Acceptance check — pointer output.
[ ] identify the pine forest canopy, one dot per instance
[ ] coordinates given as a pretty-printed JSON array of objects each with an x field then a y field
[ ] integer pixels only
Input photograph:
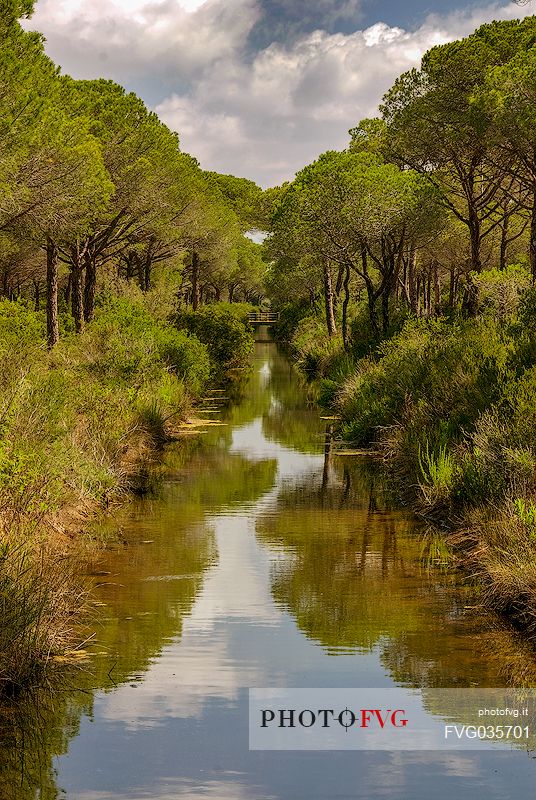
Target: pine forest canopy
[
  {"x": 92, "y": 179},
  {"x": 427, "y": 196}
]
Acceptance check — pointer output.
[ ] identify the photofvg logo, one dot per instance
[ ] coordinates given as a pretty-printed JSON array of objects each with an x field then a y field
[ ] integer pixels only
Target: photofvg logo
[
  {"x": 326, "y": 717},
  {"x": 388, "y": 719}
]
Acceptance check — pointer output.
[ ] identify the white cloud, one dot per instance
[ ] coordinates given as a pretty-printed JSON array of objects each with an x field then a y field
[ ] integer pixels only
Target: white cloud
[
  {"x": 262, "y": 116},
  {"x": 69, "y": 9},
  {"x": 154, "y": 44}
]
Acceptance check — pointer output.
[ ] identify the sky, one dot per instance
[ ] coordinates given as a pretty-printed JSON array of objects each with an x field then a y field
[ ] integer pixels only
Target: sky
[{"x": 256, "y": 88}]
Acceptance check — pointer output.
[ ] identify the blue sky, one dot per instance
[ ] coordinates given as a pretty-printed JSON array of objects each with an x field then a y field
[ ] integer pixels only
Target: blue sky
[{"x": 258, "y": 88}]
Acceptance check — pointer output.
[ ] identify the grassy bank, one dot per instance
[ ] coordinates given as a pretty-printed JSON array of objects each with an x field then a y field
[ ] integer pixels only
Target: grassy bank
[
  {"x": 451, "y": 404},
  {"x": 77, "y": 428}
]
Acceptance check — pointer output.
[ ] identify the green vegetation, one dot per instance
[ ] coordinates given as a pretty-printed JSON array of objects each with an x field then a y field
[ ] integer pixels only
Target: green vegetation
[
  {"x": 77, "y": 426},
  {"x": 223, "y": 328},
  {"x": 109, "y": 235},
  {"x": 410, "y": 261},
  {"x": 404, "y": 268}
]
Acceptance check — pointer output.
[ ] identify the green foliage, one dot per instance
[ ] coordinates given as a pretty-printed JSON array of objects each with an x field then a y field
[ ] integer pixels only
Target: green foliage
[
  {"x": 437, "y": 471},
  {"x": 290, "y": 316},
  {"x": 527, "y": 309},
  {"x": 502, "y": 292},
  {"x": 429, "y": 376},
  {"x": 223, "y": 328},
  {"x": 526, "y": 512},
  {"x": 20, "y": 328},
  {"x": 129, "y": 340},
  {"x": 244, "y": 196}
]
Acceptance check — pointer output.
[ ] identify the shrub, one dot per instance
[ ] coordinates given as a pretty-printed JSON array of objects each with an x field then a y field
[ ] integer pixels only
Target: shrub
[
  {"x": 436, "y": 377},
  {"x": 437, "y": 474},
  {"x": 223, "y": 328},
  {"x": 290, "y": 316}
]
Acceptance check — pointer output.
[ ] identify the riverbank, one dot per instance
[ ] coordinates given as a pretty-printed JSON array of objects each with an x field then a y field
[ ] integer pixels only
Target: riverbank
[
  {"x": 451, "y": 407},
  {"x": 78, "y": 427}
]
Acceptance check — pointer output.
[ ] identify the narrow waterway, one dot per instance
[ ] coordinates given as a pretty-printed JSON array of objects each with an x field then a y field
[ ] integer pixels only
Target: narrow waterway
[{"x": 264, "y": 560}]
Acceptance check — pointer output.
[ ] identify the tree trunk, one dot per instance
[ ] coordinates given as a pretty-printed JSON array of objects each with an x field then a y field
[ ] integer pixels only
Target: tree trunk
[
  {"x": 195, "y": 281},
  {"x": 385, "y": 311},
  {"x": 345, "y": 303},
  {"x": 437, "y": 291},
  {"x": 77, "y": 292},
  {"x": 532, "y": 246},
  {"x": 53, "y": 331},
  {"x": 140, "y": 271},
  {"x": 504, "y": 243},
  {"x": 470, "y": 300},
  {"x": 338, "y": 284},
  {"x": 371, "y": 296},
  {"x": 90, "y": 285},
  {"x": 474, "y": 233},
  {"x": 130, "y": 268},
  {"x": 412, "y": 288},
  {"x": 390, "y": 271},
  {"x": 328, "y": 297},
  {"x": 147, "y": 269}
]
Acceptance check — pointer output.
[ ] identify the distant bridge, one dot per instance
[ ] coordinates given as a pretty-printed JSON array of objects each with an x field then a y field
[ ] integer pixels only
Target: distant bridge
[{"x": 263, "y": 318}]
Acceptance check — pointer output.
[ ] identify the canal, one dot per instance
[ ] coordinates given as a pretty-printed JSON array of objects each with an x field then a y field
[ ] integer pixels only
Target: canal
[{"x": 263, "y": 559}]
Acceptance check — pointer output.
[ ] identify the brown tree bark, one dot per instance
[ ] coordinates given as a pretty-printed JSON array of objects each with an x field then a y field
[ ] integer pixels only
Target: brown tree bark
[
  {"x": 474, "y": 233},
  {"x": 77, "y": 290},
  {"x": 470, "y": 300},
  {"x": 147, "y": 271},
  {"x": 90, "y": 286},
  {"x": 147, "y": 267},
  {"x": 412, "y": 287},
  {"x": 328, "y": 298},
  {"x": 345, "y": 304},
  {"x": 371, "y": 295},
  {"x": 196, "y": 294},
  {"x": 53, "y": 331},
  {"x": 532, "y": 244}
]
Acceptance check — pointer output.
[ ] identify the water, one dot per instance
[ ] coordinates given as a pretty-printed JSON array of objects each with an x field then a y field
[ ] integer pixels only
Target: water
[{"x": 265, "y": 560}]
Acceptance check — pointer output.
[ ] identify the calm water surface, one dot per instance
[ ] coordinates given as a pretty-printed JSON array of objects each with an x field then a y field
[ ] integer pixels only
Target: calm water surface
[{"x": 265, "y": 560}]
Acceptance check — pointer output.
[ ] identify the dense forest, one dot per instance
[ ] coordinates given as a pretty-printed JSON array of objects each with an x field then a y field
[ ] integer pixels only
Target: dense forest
[
  {"x": 91, "y": 177},
  {"x": 410, "y": 258}
]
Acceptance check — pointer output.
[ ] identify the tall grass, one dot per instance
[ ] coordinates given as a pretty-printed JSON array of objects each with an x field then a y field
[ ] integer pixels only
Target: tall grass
[
  {"x": 76, "y": 427},
  {"x": 41, "y": 599}
]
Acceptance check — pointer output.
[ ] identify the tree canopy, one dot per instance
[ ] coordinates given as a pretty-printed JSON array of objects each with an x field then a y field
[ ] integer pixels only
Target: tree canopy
[{"x": 94, "y": 180}]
